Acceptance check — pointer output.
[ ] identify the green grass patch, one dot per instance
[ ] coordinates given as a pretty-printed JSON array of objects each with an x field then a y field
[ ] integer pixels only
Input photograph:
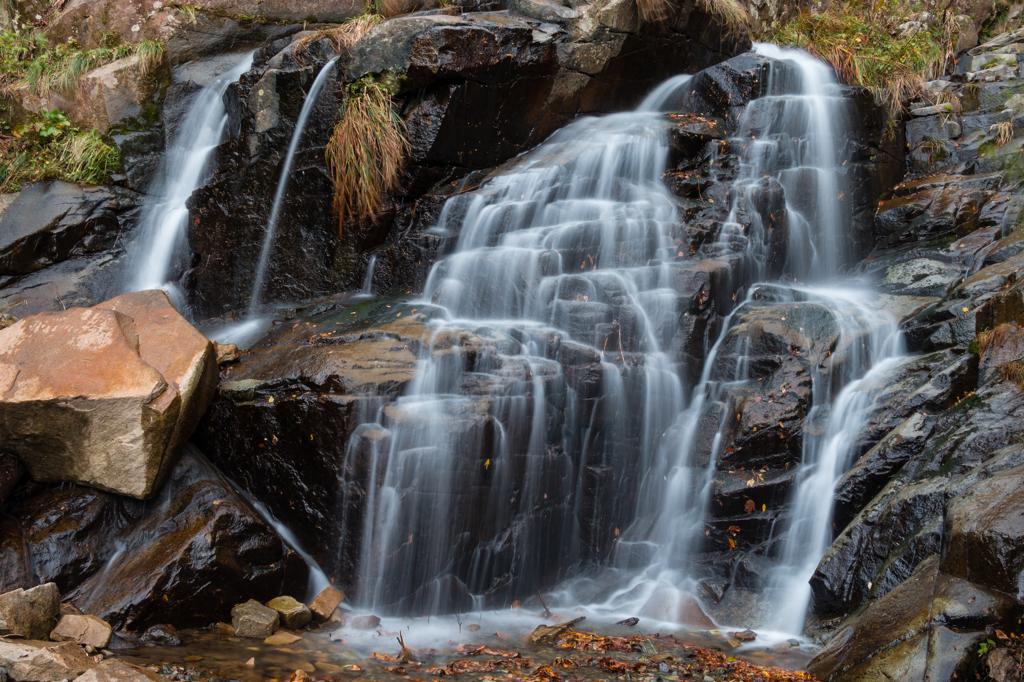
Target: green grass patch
[
  {"x": 48, "y": 147},
  {"x": 865, "y": 46},
  {"x": 28, "y": 59}
]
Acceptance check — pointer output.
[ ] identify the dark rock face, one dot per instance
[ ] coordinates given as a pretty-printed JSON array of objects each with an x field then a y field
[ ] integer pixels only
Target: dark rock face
[
  {"x": 474, "y": 90},
  {"x": 61, "y": 245},
  {"x": 922, "y": 630},
  {"x": 115, "y": 557},
  {"x": 984, "y": 530}
]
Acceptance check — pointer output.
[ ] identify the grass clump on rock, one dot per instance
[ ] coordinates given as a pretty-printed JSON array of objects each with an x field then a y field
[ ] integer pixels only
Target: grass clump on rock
[
  {"x": 732, "y": 12},
  {"x": 366, "y": 152},
  {"x": 47, "y": 147},
  {"x": 881, "y": 46},
  {"x": 28, "y": 60},
  {"x": 342, "y": 36}
]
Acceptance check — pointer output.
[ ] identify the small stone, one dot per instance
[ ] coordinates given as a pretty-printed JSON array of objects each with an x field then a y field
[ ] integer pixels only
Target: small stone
[
  {"x": 29, "y": 613},
  {"x": 162, "y": 634},
  {"x": 193, "y": 658},
  {"x": 325, "y": 602},
  {"x": 86, "y": 630},
  {"x": 365, "y": 622},
  {"x": 282, "y": 638},
  {"x": 337, "y": 620},
  {"x": 251, "y": 662},
  {"x": 253, "y": 619},
  {"x": 226, "y": 353},
  {"x": 300, "y": 676},
  {"x": 294, "y": 614},
  {"x": 780, "y": 648},
  {"x": 226, "y": 629},
  {"x": 472, "y": 627}
]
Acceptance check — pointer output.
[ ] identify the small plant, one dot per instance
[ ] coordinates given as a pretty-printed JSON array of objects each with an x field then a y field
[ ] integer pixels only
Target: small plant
[
  {"x": 985, "y": 647},
  {"x": 48, "y": 147},
  {"x": 366, "y": 152},
  {"x": 1002, "y": 131},
  {"x": 730, "y": 11},
  {"x": 1013, "y": 371}
]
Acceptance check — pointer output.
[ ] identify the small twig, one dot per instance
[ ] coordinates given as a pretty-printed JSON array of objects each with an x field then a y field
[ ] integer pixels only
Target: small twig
[{"x": 547, "y": 611}]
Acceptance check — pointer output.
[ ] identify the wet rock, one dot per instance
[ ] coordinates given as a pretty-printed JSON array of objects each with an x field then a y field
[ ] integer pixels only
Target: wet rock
[
  {"x": 282, "y": 638},
  {"x": 163, "y": 634},
  {"x": 294, "y": 614},
  {"x": 29, "y": 613},
  {"x": 723, "y": 89},
  {"x": 324, "y": 604},
  {"x": 893, "y": 633},
  {"x": 201, "y": 546},
  {"x": 53, "y": 221},
  {"x": 547, "y": 634},
  {"x": 113, "y": 670},
  {"x": 253, "y": 619},
  {"x": 675, "y": 606},
  {"x": 85, "y": 630},
  {"x": 61, "y": 413},
  {"x": 226, "y": 353},
  {"x": 39, "y": 661},
  {"x": 984, "y": 533},
  {"x": 11, "y": 472},
  {"x": 365, "y": 622}
]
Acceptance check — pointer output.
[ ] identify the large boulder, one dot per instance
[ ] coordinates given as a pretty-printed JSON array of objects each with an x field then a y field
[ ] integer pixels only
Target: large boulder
[
  {"x": 29, "y": 613},
  {"x": 925, "y": 629},
  {"x": 104, "y": 396},
  {"x": 224, "y": 22},
  {"x": 41, "y": 661},
  {"x": 119, "y": 94},
  {"x": 984, "y": 539},
  {"x": 190, "y": 558}
]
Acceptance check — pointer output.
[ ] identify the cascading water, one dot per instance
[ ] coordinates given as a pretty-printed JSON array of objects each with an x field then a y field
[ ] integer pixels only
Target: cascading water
[
  {"x": 312, "y": 97},
  {"x": 556, "y": 302},
  {"x": 553, "y": 358},
  {"x": 788, "y": 137},
  {"x": 188, "y": 160}
]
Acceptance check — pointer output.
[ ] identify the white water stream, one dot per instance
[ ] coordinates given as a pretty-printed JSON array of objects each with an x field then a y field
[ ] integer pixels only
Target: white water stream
[
  {"x": 312, "y": 97},
  {"x": 158, "y": 253}
]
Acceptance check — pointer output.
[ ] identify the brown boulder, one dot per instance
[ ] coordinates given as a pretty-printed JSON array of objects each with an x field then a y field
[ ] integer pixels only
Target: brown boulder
[
  {"x": 85, "y": 630},
  {"x": 104, "y": 396},
  {"x": 38, "y": 661},
  {"x": 29, "y": 613}
]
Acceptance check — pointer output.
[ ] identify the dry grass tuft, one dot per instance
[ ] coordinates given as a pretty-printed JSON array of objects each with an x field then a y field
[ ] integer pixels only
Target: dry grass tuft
[
  {"x": 730, "y": 11},
  {"x": 655, "y": 11},
  {"x": 366, "y": 152},
  {"x": 342, "y": 36},
  {"x": 1002, "y": 131},
  {"x": 997, "y": 337},
  {"x": 1014, "y": 371}
]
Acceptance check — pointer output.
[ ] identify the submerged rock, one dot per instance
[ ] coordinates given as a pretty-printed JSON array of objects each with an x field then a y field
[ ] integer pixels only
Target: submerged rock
[{"x": 104, "y": 396}]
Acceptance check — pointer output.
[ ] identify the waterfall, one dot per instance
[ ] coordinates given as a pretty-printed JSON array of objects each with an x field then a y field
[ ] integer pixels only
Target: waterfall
[
  {"x": 188, "y": 160},
  {"x": 368, "y": 280},
  {"x": 555, "y": 307},
  {"x": 312, "y": 97}
]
